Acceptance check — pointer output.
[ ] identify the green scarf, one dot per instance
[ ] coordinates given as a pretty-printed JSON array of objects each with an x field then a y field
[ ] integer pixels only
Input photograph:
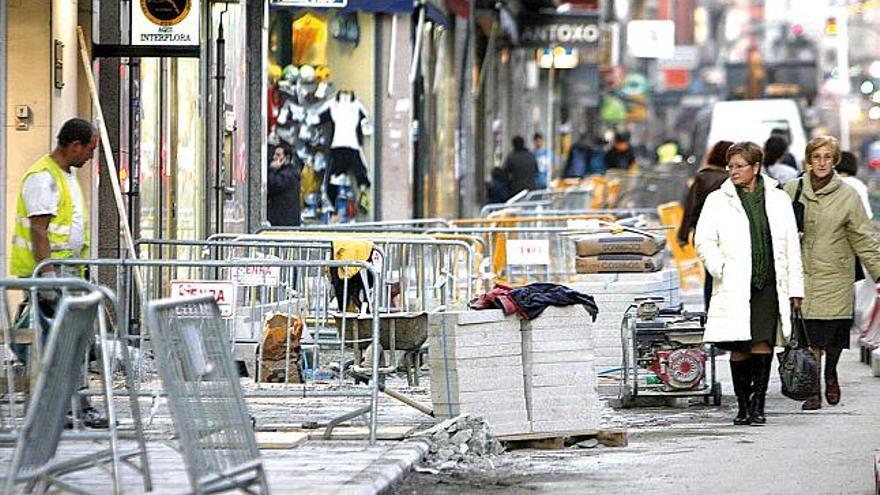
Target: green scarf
[{"x": 759, "y": 231}]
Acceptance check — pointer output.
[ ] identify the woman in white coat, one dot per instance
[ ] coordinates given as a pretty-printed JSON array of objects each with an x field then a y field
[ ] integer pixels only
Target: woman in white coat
[{"x": 748, "y": 241}]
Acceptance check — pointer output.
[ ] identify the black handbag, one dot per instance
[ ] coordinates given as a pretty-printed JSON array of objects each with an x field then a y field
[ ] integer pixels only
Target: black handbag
[
  {"x": 798, "y": 369},
  {"x": 798, "y": 207}
]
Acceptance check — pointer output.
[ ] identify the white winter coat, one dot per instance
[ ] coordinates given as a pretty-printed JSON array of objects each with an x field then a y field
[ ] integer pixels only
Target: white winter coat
[{"x": 724, "y": 244}]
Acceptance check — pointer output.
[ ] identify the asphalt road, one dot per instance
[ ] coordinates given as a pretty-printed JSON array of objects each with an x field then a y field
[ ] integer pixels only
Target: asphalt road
[{"x": 698, "y": 450}]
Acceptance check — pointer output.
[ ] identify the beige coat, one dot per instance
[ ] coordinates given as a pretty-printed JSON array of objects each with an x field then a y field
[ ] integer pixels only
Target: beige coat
[
  {"x": 836, "y": 230},
  {"x": 725, "y": 246}
]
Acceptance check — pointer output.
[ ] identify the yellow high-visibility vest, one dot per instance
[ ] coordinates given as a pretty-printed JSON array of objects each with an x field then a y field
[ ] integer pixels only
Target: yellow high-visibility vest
[{"x": 23, "y": 261}]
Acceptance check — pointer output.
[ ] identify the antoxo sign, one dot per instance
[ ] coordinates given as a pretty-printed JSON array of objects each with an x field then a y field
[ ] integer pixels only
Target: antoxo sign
[
  {"x": 542, "y": 30},
  {"x": 165, "y": 22}
]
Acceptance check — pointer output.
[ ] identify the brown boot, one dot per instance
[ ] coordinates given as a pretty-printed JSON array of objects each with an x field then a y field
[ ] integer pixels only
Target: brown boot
[
  {"x": 832, "y": 391},
  {"x": 815, "y": 402},
  {"x": 832, "y": 386}
]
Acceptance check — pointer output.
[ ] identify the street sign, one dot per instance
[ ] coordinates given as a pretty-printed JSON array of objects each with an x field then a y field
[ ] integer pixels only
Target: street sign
[
  {"x": 223, "y": 292},
  {"x": 255, "y": 276},
  {"x": 650, "y": 39},
  {"x": 528, "y": 252},
  {"x": 165, "y": 22}
]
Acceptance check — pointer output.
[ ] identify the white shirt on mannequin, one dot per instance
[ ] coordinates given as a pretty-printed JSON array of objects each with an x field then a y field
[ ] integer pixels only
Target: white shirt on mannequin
[{"x": 346, "y": 115}]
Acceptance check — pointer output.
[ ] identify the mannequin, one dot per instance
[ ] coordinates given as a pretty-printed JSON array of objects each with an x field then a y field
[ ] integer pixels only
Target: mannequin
[{"x": 348, "y": 116}]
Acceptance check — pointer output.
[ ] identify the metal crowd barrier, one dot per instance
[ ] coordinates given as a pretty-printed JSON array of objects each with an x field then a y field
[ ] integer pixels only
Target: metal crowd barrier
[
  {"x": 384, "y": 224},
  {"x": 204, "y": 396},
  {"x": 650, "y": 188},
  {"x": 431, "y": 273},
  {"x": 62, "y": 370},
  {"x": 401, "y": 247},
  {"x": 287, "y": 292}
]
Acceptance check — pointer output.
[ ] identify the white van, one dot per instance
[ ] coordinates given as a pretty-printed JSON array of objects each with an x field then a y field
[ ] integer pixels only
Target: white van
[{"x": 753, "y": 120}]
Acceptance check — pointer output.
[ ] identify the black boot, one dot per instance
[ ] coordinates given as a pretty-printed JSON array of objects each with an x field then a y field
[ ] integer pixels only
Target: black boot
[
  {"x": 742, "y": 387},
  {"x": 761, "y": 364}
]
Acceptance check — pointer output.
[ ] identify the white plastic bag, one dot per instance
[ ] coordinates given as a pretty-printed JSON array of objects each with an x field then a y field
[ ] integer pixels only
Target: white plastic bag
[{"x": 865, "y": 299}]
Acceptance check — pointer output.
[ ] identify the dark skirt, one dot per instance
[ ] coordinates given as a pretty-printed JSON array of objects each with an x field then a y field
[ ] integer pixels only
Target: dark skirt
[
  {"x": 829, "y": 333},
  {"x": 764, "y": 318}
]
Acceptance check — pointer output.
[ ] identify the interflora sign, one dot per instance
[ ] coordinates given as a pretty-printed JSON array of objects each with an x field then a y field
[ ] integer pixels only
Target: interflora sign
[
  {"x": 552, "y": 29},
  {"x": 165, "y": 22}
]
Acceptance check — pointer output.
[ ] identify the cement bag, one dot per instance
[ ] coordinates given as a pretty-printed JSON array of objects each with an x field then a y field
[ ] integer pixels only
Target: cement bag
[
  {"x": 273, "y": 345},
  {"x": 619, "y": 263},
  {"x": 623, "y": 243}
]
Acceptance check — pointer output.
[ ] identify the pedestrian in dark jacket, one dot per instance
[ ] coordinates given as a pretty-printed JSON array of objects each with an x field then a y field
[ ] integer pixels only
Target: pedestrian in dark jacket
[
  {"x": 521, "y": 167},
  {"x": 497, "y": 190},
  {"x": 621, "y": 154},
  {"x": 580, "y": 159},
  {"x": 282, "y": 188},
  {"x": 708, "y": 179}
]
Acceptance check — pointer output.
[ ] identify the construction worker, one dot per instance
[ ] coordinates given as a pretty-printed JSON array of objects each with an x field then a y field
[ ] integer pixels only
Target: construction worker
[{"x": 51, "y": 221}]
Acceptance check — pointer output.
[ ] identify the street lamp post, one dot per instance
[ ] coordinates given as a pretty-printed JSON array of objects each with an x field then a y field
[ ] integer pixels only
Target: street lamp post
[{"x": 842, "y": 48}]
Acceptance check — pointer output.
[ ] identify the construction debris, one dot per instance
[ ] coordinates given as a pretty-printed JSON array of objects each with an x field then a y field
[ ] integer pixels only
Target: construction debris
[{"x": 464, "y": 439}]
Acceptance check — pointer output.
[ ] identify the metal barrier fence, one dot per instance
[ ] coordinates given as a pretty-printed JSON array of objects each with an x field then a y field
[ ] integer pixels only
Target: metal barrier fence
[
  {"x": 204, "y": 396},
  {"x": 415, "y": 261},
  {"x": 426, "y": 273},
  {"x": 287, "y": 291},
  {"x": 59, "y": 371},
  {"x": 648, "y": 189}
]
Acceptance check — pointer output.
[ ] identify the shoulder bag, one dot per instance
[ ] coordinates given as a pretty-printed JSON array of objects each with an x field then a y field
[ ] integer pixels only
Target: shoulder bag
[{"x": 798, "y": 369}]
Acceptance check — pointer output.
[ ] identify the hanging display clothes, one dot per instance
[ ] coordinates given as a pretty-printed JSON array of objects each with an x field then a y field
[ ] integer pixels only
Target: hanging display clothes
[
  {"x": 309, "y": 38},
  {"x": 347, "y": 116}
]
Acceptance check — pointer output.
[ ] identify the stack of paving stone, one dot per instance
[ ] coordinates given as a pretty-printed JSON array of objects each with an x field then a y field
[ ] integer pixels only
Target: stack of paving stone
[
  {"x": 479, "y": 371},
  {"x": 614, "y": 293},
  {"x": 560, "y": 380}
]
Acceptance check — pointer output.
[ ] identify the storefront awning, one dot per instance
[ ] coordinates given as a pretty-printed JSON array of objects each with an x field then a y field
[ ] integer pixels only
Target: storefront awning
[{"x": 381, "y": 6}]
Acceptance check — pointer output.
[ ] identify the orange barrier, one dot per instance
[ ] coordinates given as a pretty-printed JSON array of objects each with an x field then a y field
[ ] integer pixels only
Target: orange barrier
[{"x": 690, "y": 268}]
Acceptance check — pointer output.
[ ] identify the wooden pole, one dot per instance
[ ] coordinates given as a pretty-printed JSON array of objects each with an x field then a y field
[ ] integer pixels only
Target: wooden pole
[{"x": 108, "y": 154}]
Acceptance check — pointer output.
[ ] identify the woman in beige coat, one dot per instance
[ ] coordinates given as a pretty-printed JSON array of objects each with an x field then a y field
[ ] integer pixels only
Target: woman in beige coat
[
  {"x": 836, "y": 229},
  {"x": 748, "y": 241}
]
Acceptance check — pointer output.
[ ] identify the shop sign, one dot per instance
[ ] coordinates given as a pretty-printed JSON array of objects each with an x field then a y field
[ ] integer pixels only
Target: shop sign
[
  {"x": 165, "y": 22},
  {"x": 528, "y": 252},
  {"x": 683, "y": 57},
  {"x": 650, "y": 39},
  {"x": 552, "y": 29},
  {"x": 222, "y": 291},
  {"x": 310, "y": 3}
]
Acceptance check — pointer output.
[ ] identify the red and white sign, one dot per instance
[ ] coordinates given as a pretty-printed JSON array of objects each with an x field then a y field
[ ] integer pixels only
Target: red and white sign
[
  {"x": 528, "y": 252},
  {"x": 223, "y": 292}
]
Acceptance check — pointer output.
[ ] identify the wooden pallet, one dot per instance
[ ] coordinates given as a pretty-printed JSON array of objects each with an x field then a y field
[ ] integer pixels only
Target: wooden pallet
[{"x": 559, "y": 439}]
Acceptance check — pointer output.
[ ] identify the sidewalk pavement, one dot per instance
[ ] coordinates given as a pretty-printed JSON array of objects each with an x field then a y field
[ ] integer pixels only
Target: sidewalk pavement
[
  {"x": 316, "y": 467},
  {"x": 295, "y": 462}
]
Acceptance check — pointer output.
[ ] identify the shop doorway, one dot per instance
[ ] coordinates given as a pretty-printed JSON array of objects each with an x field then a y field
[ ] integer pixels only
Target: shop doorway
[{"x": 168, "y": 149}]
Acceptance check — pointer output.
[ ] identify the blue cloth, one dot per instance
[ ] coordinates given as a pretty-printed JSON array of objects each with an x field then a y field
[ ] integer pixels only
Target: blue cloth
[
  {"x": 597, "y": 162},
  {"x": 578, "y": 161},
  {"x": 543, "y": 158}
]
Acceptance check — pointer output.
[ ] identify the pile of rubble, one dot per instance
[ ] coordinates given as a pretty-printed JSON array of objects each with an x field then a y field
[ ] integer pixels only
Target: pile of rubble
[{"x": 464, "y": 439}]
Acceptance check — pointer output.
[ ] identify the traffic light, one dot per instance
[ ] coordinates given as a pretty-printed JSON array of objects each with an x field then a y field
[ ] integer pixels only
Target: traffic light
[{"x": 831, "y": 26}]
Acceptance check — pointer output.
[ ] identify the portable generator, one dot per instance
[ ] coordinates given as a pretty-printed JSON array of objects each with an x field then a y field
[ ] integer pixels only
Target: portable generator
[{"x": 664, "y": 354}]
